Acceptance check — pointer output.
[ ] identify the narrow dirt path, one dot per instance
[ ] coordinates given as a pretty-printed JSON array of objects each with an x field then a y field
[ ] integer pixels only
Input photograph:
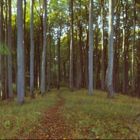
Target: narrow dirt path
[{"x": 52, "y": 125}]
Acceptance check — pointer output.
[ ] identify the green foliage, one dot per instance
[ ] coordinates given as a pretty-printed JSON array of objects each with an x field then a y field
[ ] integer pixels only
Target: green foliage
[
  {"x": 4, "y": 50},
  {"x": 7, "y": 124}
]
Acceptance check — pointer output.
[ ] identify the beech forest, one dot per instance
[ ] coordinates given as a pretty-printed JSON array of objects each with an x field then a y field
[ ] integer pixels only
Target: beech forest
[{"x": 69, "y": 69}]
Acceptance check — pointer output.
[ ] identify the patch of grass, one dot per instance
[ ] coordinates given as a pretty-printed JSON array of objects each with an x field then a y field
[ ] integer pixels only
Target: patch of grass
[
  {"x": 18, "y": 119},
  {"x": 99, "y": 117}
]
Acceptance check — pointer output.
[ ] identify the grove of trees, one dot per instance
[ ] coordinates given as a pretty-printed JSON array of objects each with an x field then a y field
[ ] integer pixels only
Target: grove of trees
[{"x": 47, "y": 44}]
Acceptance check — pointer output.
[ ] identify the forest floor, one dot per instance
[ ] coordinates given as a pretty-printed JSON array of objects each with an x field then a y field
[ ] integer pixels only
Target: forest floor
[
  {"x": 52, "y": 125},
  {"x": 72, "y": 115}
]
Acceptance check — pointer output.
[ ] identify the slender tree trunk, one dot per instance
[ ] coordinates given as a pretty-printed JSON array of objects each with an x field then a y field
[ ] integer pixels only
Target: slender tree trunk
[
  {"x": 123, "y": 47},
  {"x": 102, "y": 55},
  {"x": 49, "y": 73},
  {"x": 90, "y": 53},
  {"x": 85, "y": 62},
  {"x": 96, "y": 72},
  {"x": 32, "y": 49},
  {"x": 1, "y": 41},
  {"x": 58, "y": 56},
  {"x": 80, "y": 58},
  {"x": 20, "y": 54},
  {"x": 71, "y": 77},
  {"x": 109, "y": 75},
  {"x": 3, "y": 60},
  {"x": 43, "y": 65},
  {"x": 133, "y": 46},
  {"x": 138, "y": 72},
  {"x": 117, "y": 73},
  {"x": 10, "y": 91},
  {"x": 4, "y": 57},
  {"x": 26, "y": 50}
]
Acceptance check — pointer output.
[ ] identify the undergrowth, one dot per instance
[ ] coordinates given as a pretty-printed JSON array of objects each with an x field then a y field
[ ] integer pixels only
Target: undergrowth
[
  {"x": 99, "y": 117},
  {"x": 17, "y": 119}
]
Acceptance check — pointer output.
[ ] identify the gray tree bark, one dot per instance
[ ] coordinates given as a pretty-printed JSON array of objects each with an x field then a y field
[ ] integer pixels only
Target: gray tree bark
[
  {"x": 43, "y": 64},
  {"x": 20, "y": 54},
  {"x": 109, "y": 75},
  {"x": 1, "y": 28},
  {"x": 10, "y": 91},
  {"x": 90, "y": 53},
  {"x": 102, "y": 40},
  {"x": 71, "y": 78},
  {"x": 31, "y": 49}
]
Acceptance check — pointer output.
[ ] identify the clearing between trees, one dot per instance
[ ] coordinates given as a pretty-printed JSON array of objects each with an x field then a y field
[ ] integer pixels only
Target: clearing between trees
[{"x": 66, "y": 115}]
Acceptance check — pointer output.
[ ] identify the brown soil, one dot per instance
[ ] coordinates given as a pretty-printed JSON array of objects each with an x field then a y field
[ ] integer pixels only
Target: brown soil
[{"x": 53, "y": 125}]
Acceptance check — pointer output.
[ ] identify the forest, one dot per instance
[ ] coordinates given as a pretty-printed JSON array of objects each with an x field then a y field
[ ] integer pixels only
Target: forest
[{"x": 70, "y": 69}]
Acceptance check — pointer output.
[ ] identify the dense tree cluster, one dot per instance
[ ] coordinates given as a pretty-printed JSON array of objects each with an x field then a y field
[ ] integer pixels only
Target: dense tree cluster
[{"x": 47, "y": 44}]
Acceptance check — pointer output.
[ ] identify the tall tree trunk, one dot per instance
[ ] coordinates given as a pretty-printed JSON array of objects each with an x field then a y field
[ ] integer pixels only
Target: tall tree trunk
[
  {"x": 49, "y": 73},
  {"x": 80, "y": 58},
  {"x": 102, "y": 55},
  {"x": 109, "y": 74},
  {"x": 117, "y": 74},
  {"x": 20, "y": 54},
  {"x": 96, "y": 63},
  {"x": 133, "y": 46},
  {"x": 1, "y": 41},
  {"x": 43, "y": 64},
  {"x": 10, "y": 91},
  {"x": 71, "y": 74},
  {"x": 85, "y": 61},
  {"x": 26, "y": 49},
  {"x": 4, "y": 57},
  {"x": 32, "y": 49},
  {"x": 123, "y": 46},
  {"x": 90, "y": 57},
  {"x": 138, "y": 70}
]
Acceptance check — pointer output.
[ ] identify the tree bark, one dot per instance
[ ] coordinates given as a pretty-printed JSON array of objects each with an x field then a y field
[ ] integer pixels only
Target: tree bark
[
  {"x": 102, "y": 55},
  {"x": 58, "y": 57},
  {"x": 43, "y": 64},
  {"x": 109, "y": 74},
  {"x": 133, "y": 46},
  {"x": 20, "y": 54},
  {"x": 79, "y": 52},
  {"x": 123, "y": 47},
  {"x": 90, "y": 53},
  {"x": 10, "y": 91},
  {"x": 71, "y": 77},
  {"x": 1, "y": 41},
  {"x": 31, "y": 49}
]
